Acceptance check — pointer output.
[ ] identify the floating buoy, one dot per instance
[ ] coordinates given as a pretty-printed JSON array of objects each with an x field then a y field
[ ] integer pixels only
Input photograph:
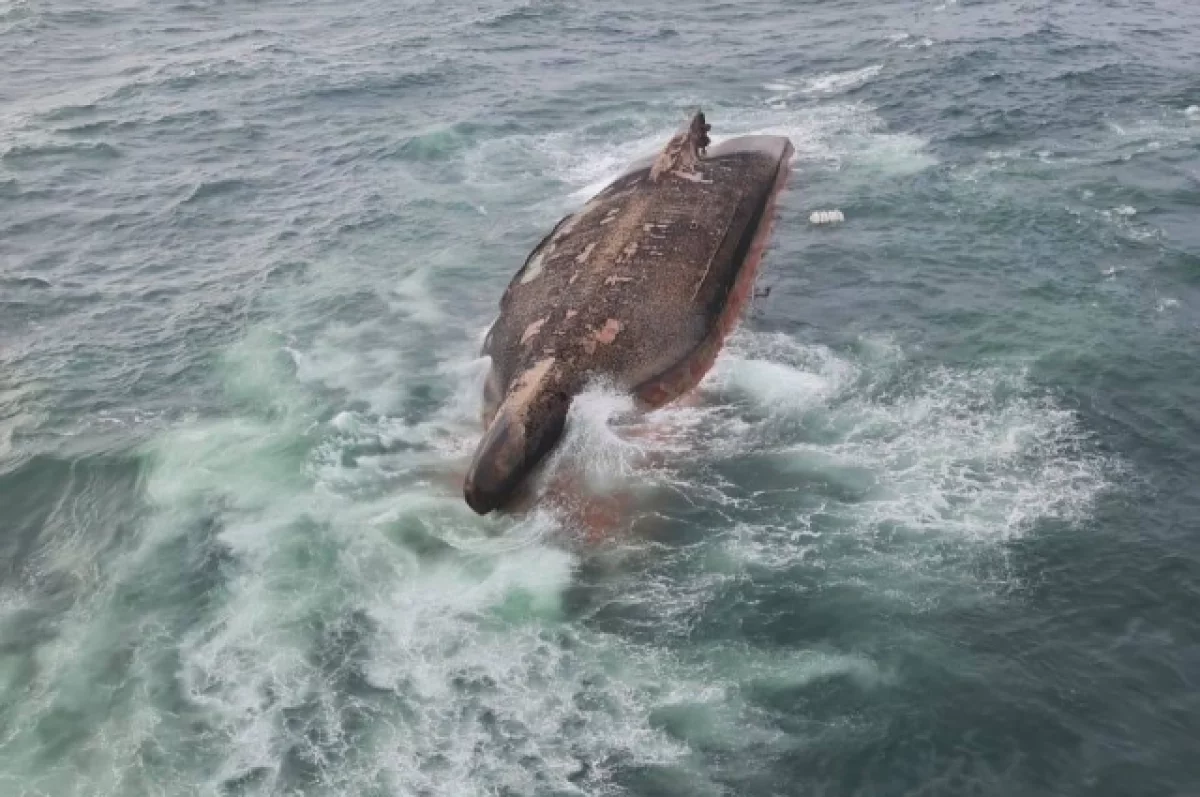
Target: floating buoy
[{"x": 826, "y": 217}]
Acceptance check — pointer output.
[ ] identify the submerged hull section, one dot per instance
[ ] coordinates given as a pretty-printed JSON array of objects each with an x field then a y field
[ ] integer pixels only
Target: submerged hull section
[{"x": 639, "y": 287}]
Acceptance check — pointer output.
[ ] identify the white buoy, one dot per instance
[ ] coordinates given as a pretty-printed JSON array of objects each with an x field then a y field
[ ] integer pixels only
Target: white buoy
[{"x": 826, "y": 217}]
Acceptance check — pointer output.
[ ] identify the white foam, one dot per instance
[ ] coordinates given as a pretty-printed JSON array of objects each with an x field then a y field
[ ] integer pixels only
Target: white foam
[
  {"x": 833, "y": 135},
  {"x": 955, "y": 457},
  {"x": 779, "y": 670},
  {"x": 373, "y": 373},
  {"x": 967, "y": 458},
  {"x": 830, "y": 83},
  {"x": 594, "y": 171},
  {"x": 1133, "y": 137},
  {"x": 461, "y": 641},
  {"x": 841, "y": 82},
  {"x": 839, "y": 137},
  {"x": 458, "y": 646},
  {"x": 592, "y": 445},
  {"x": 368, "y": 567},
  {"x": 1123, "y": 219},
  {"x": 893, "y": 154},
  {"x": 413, "y": 296},
  {"x": 782, "y": 386}
]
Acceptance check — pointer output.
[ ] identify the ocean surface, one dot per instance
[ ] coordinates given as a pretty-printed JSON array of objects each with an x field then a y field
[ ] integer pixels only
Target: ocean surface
[{"x": 930, "y": 527}]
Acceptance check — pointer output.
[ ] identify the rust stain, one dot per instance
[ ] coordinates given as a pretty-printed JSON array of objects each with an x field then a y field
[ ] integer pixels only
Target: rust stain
[
  {"x": 608, "y": 333},
  {"x": 619, "y": 241},
  {"x": 532, "y": 330},
  {"x": 535, "y": 266},
  {"x": 525, "y": 386},
  {"x": 583, "y": 256},
  {"x": 566, "y": 228}
]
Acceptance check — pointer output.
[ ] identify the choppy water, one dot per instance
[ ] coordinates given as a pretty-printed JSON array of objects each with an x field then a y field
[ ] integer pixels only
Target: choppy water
[{"x": 932, "y": 526}]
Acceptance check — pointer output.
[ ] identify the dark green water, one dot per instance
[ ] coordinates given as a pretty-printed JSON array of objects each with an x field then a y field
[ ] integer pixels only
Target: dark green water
[{"x": 931, "y": 528}]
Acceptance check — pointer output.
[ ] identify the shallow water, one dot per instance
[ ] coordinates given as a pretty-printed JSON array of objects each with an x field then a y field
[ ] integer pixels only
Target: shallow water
[{"x": 930, "y": 526}]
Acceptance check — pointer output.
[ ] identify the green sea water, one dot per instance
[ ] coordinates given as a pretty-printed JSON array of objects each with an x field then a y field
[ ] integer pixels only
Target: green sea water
[{"x": 930, "y": 527}]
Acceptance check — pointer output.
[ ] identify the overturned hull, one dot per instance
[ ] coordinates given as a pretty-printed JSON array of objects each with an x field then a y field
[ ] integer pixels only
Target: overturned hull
[{"x": 639, "y": 287}]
